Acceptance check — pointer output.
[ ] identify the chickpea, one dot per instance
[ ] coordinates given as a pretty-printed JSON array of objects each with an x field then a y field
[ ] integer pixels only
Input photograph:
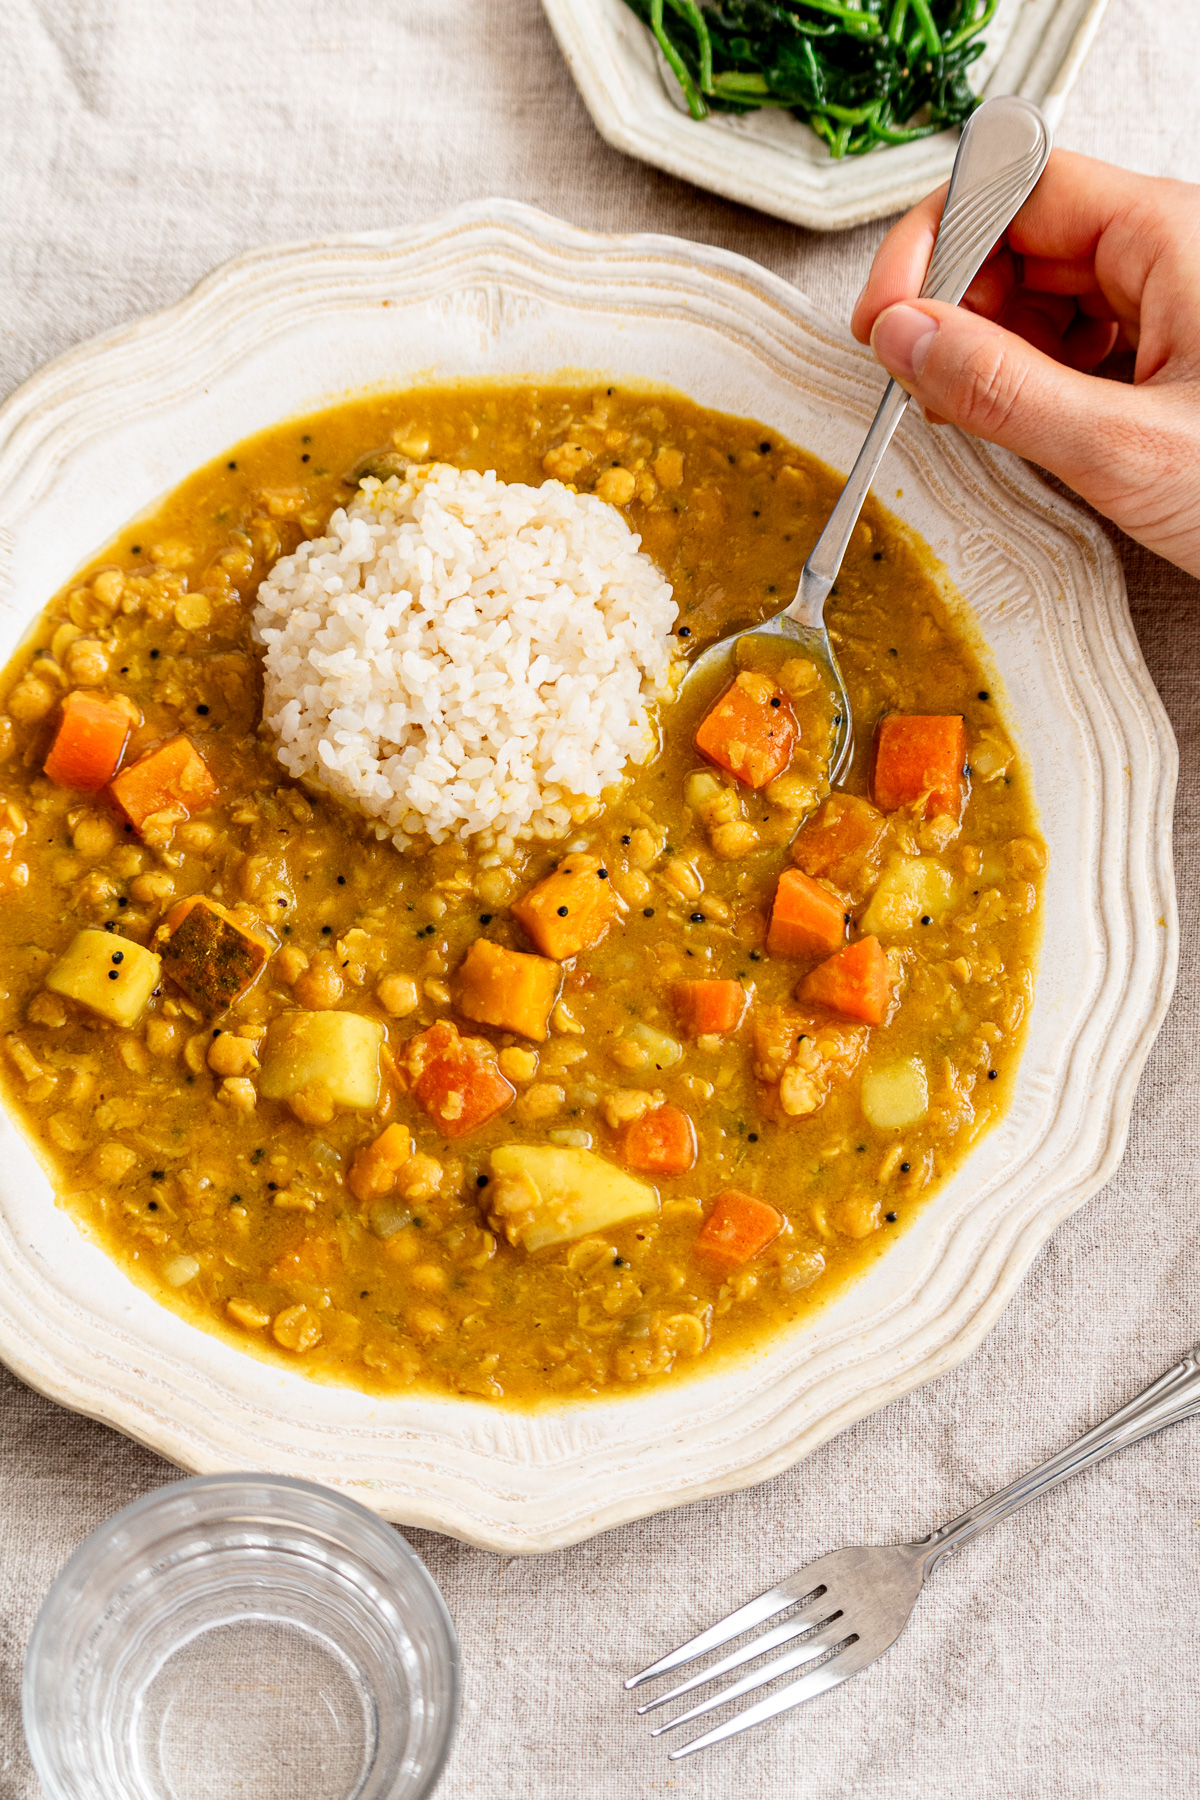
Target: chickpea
[
  {"x": 616, "y": 486},
  {"x": 668, "y": 467},
  {"x": 518, "y": 1065},
  {"x": 86, "y": 662},
  {"x": 238, "y": 1093},
  {"x": 94, "y": 835},
  {"x": 162, "y": 1037},
  {"x": 112, "y": 1162},
  {"x": 246, "y": 1314},
  {"x": 541, "y": 1101},
  {"x": 321, "y": 984},
  {"x": 397, "y": 994},
  {"x": 565, "y": 461},
  {"x": 495, "y": 886},
  {"x": 153, "y": 888},
  {"x": 420, "y": 1177},
  {"x": 290, "y": 964},
  {"x": 195, "y": 835},
  {"x": 30, "y": 700},
  {"x": 231, "y": 1055},
  {"x": 297, "y": 1328}
]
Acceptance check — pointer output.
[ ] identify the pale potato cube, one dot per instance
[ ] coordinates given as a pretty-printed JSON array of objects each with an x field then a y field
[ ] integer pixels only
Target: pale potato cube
[
  {"x": 333, "y": 1056},
  {"x": 545, "y": 1194},
  {"x": 112, "y": 975},
  {"x": 910, "y": 889},
  {"x": 896, "y": 1094}
]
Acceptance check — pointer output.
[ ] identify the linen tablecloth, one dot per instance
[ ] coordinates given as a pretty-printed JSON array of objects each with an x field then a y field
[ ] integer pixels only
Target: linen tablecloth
[{"x": 1060, "y": 1656}]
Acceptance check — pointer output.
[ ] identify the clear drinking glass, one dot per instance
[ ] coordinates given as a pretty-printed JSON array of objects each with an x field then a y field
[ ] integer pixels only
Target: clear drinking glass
[{"x": 242, "y": 1635}]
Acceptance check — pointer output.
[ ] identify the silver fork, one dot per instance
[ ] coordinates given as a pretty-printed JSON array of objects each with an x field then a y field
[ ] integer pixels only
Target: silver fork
[{"x": 854, "y": 1603}]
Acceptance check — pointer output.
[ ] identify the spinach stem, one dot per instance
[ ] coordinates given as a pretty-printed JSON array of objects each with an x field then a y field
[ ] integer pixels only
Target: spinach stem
[
  {"x": 929, "y": 31},
  {"x": 679, "y": 68}
]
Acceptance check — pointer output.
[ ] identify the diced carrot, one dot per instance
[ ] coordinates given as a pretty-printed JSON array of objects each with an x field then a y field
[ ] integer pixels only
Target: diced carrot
[
  {"x": 507, "y": 989},
  {"x": 738, "y": 1227},
  {"x": 455, "y": 1079},
  {"x": 313, "y": 1261},
  {"x": 661, "y": 1142},
  {"x": 173, "y": 780},
  {"x": 842, "y": 836},
  {"x": 90, "y": 741},
  {"x": 710, "y": 1008},
  {"x": 209, "y": 954},
  {"x": 920, "y": 758},
  {"x": 806, "y": 919},
  {"x": 375, "y": 1167},
  {"x": 854, "y": 982},
  {"x": 571, "y": 909},
  {"x": 751, "y": 731}
]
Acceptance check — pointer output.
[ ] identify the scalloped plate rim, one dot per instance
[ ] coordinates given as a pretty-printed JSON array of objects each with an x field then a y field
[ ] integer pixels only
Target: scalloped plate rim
[{"x": 554, "y": 240}]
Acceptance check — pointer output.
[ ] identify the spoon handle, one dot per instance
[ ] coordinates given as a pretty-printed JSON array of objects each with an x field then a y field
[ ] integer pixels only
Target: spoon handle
[{"x": 1001, "y": 153}]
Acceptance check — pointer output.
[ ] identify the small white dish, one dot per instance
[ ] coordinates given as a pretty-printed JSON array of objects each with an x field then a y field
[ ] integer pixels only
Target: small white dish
[
  {"x": 769, "y": 159},
  {"x": 497, "y": 289}
]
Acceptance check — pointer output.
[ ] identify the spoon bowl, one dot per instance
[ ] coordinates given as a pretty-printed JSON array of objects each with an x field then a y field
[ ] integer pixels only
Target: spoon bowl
[{"x": 1001, "y": 154}]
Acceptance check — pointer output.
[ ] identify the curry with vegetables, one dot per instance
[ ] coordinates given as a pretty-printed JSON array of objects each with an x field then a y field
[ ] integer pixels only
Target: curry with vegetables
[{"x": 517, "y": 1120}]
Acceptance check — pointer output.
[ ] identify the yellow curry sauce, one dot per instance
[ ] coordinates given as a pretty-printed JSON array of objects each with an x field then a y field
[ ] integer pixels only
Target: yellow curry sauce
[{"x": 239, "y": 1213}]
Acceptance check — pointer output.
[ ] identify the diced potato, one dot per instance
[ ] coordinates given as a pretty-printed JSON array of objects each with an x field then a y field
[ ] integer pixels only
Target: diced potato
[
  {"x": 662, "y": 1051},
  {"x": 544, "y": 1194},
  {"x": 895, "y": 1094},
  {"x": 507, "y": 989},
  {"x": 911, "y": 888},
  {"x": 333, "y": 1055},
  {"x": 112, "y": 975}
]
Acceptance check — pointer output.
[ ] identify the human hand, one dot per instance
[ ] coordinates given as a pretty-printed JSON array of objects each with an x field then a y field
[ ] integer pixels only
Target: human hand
[{"x": 1096, "y": 259}]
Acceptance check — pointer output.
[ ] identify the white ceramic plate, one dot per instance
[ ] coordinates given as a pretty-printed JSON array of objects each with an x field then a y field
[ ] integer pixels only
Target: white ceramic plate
[
  {"x": 498, "y": 289},
  {"x": 772, "y": 161}
]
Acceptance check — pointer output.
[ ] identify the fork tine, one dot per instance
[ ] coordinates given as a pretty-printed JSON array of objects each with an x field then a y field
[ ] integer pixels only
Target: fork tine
[
  {"x": 836, "y": 1632},
  {"x": 808, "y": 1616},
  {"x": 744, "y": 1619},
  {"x": 847, "y": 1662}
]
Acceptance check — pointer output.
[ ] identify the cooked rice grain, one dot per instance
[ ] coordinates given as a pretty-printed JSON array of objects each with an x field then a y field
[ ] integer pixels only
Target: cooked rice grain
[{"x": 460, "y": 654}]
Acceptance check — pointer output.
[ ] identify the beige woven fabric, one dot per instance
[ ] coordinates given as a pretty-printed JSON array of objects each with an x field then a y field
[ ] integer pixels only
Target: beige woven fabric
[{"x": 140, "y": 145}]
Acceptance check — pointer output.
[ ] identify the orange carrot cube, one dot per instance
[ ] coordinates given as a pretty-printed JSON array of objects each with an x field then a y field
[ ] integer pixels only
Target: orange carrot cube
[
  {"x": 751, "y": 731},
  {"x": 661, "y": 1142},
  {"x": 456, "y": 1080},
  {"x": 171, "y": 781},
  {"x": 840, "y": 843},
  {"x": 710, "y": 1008},
  {"x": 738, "y": 1228},
  {"x": 507, "y": 989},
  {"x": 855, "y": 981},
  {"x": 806, "y": 919},
  {"x": 920, "y": 758},
  {"x": 90, "y": 741},
  {"x": 570, "y": 910},
  {"x": 314, "y": 1261}
]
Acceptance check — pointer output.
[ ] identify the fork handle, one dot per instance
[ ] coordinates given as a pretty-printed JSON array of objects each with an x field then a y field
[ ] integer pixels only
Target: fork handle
[
  {"x": 1174, "y": 1396},
  {"x": 1001, "y": 153}
]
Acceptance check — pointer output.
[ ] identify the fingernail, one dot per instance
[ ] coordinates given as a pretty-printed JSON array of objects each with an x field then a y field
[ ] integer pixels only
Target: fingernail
[{"x": 902, "y": 339}]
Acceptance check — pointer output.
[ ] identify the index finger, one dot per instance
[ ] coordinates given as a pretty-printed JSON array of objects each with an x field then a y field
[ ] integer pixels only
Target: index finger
[{"x": 1062, "y": 221}]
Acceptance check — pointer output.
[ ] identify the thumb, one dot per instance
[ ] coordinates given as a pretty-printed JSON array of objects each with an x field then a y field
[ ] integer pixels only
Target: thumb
[{"x": 969, "y": 371}]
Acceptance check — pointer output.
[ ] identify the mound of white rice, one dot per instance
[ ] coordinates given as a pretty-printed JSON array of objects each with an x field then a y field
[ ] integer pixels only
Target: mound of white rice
[{"x": 460, "y": 654}]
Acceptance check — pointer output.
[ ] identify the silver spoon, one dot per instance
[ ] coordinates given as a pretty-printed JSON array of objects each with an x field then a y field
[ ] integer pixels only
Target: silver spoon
[{"x": 1001, "y": 154}]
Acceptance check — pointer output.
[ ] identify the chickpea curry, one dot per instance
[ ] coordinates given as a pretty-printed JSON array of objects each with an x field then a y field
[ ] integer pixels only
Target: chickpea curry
[{"x": 518, "y": 1120}]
